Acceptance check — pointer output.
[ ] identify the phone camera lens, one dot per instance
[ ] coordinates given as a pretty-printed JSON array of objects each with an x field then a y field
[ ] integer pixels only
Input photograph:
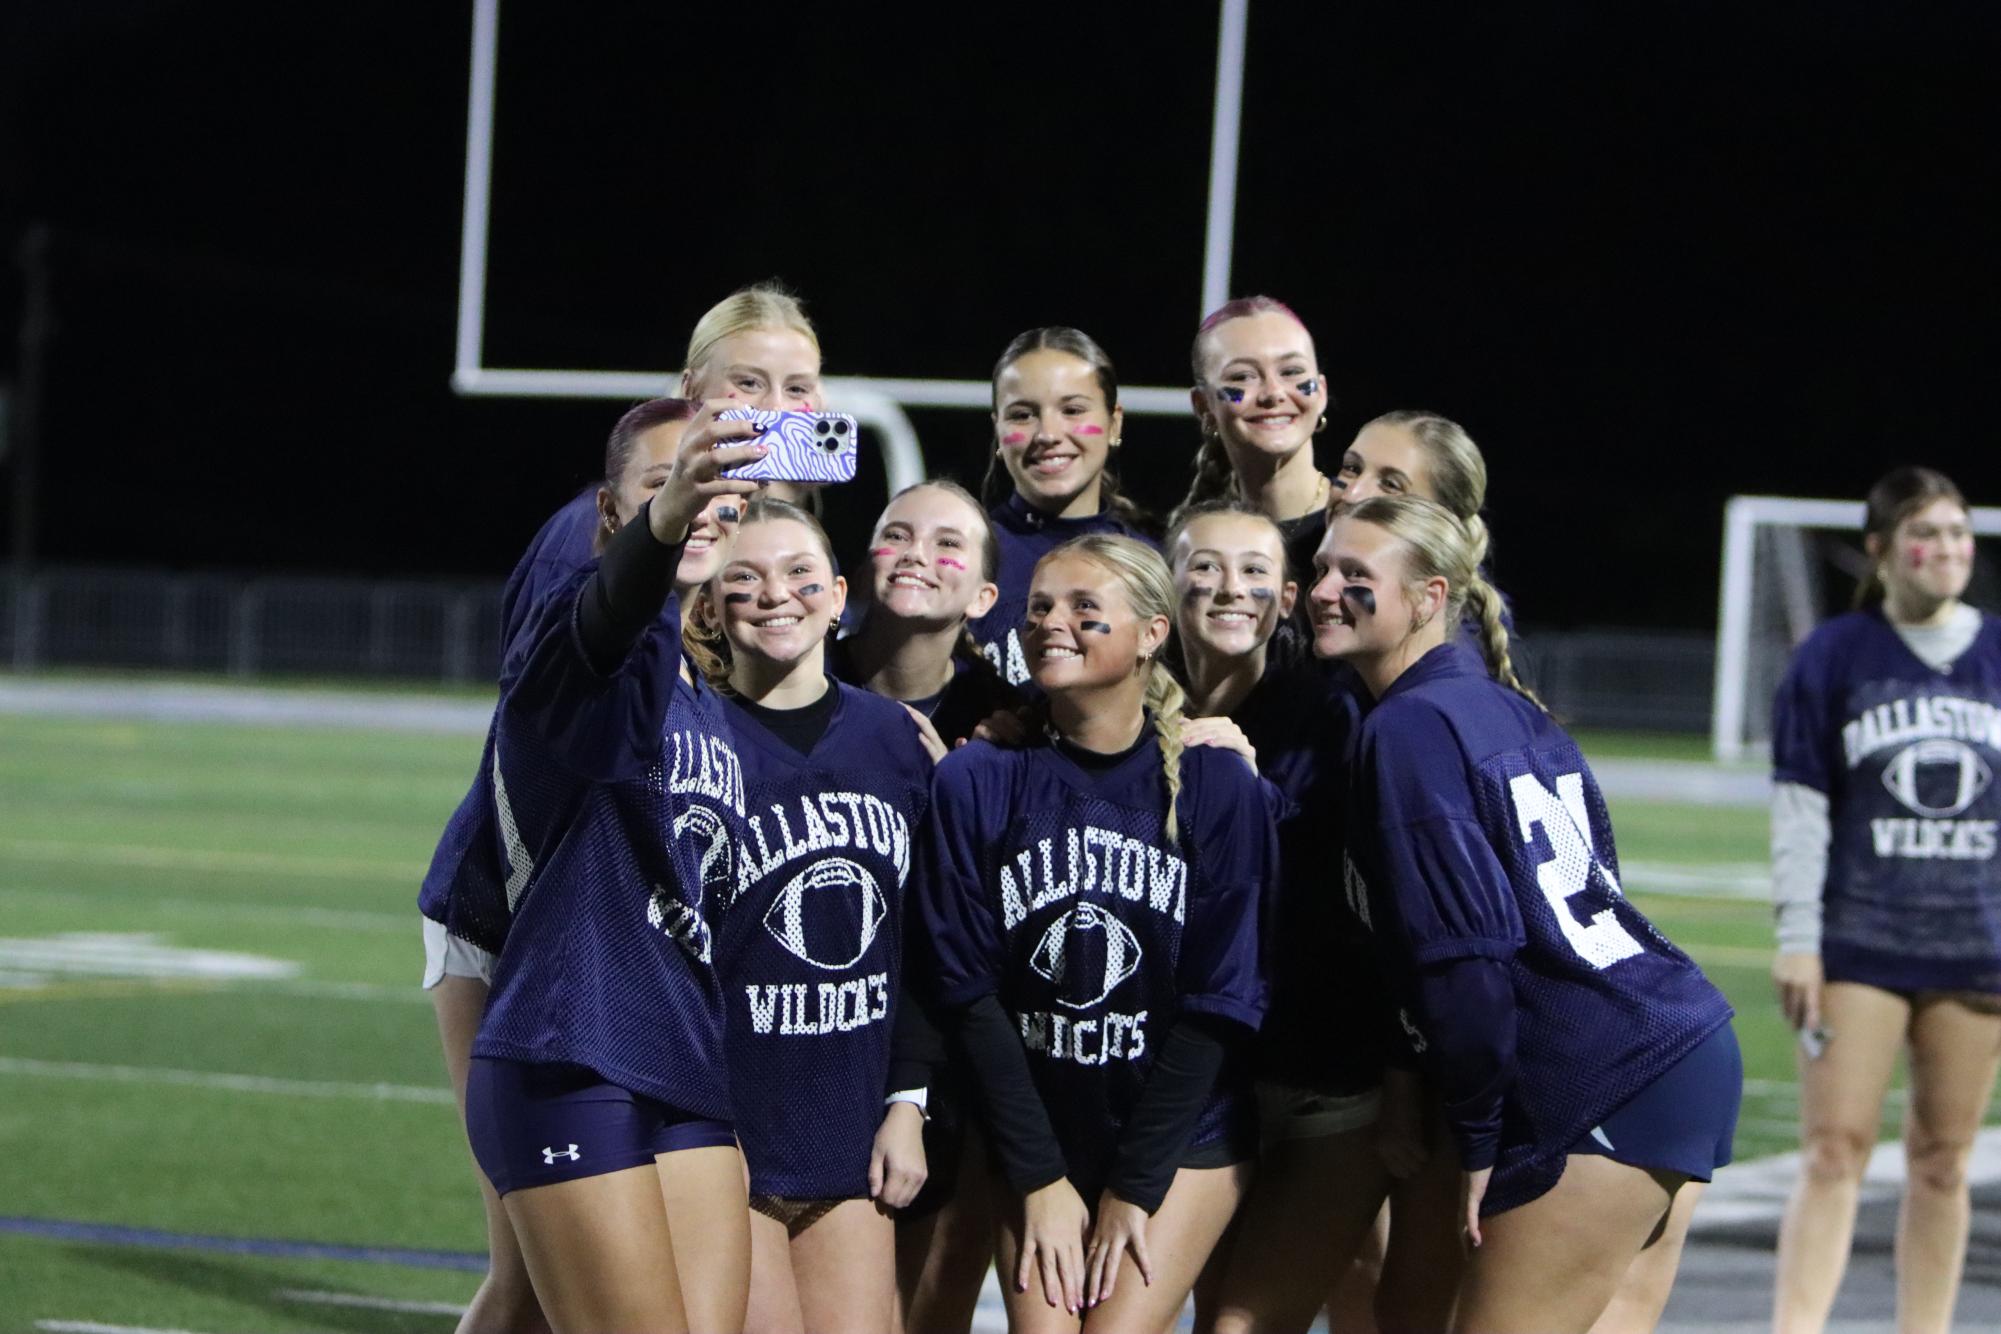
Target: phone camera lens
[{"x": 840, "y": 428}]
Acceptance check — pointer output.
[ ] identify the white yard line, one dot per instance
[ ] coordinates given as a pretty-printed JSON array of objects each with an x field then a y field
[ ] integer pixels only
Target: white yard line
[
  {"x": 180, "y": 702},
  {"x": 210, "y": 1079},
  {"x": 93, "y": 1327},
  {"x": 365, "y": 1303}
]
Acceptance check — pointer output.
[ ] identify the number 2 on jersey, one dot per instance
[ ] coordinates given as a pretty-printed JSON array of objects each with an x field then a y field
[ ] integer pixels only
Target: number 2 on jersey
[{"x": 1601, "y": 942}]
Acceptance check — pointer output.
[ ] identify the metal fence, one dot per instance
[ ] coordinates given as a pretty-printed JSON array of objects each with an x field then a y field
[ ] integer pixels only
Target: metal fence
[{"x": 249, "y": 626}]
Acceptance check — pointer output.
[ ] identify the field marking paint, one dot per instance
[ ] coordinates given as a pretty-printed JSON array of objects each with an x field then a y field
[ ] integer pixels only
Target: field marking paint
[
  {"x": 140, "y": 954},
  {"x": 1754, "y": 1193},
  {"x": 210, "y": 1079},
  {"x": 93, "y": 1327},
  {"x": 366, "y": 1303},
  {"x": 17, "y": 989},
  {"x": 1714, "y": 880},
  {"x": 153, "y": 857},
  {"x": 112, "y": 1234}
]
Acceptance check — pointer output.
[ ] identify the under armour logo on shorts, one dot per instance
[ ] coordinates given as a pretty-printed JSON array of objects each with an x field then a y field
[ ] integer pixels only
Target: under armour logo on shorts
[{"x": 549, "y": 1156}]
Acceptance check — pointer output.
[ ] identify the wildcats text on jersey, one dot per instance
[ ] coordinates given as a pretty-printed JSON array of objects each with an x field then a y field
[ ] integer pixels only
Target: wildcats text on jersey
[
  {"x": 1100, "y": 1041},
  {"x": 1095, "y": 861},
  {"x": 787, "y": 1008}
]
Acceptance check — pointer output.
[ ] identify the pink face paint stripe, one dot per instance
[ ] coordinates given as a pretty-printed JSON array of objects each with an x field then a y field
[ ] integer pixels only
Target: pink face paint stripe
[
  {"x": 1088, "y": 429},
  {"x": 951, "y": 564},
  {"x": 882, "y": 551},
  {"x": 1015, "y": 438},
  {"x": 1917, "y": 557}
]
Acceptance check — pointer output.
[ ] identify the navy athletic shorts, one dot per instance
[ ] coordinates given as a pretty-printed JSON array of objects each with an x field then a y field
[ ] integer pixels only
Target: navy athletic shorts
[
  {"x": 1682, "y": 1122},
  {"x": 535, "y": 1124}
]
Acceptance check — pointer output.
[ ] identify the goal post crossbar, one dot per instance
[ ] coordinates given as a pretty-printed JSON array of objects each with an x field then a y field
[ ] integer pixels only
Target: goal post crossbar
[{"x": 1742, "y": 517}]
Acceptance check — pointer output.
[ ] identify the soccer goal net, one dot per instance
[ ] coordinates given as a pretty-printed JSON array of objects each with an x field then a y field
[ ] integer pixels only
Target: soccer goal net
[{"x": 1789, "y": 564}]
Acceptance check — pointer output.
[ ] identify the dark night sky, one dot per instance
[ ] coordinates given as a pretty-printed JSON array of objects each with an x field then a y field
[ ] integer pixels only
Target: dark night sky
[{"x": 1649, "y": 260}]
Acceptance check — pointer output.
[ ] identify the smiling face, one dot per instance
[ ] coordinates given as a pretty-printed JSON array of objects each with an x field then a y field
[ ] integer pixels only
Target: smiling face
[
  {"x": 777, "y": 594},
  {"x": 1082, "y": 632},
  {"x": 1384, "y": 460},
  {"x": 1261, "y": 386},
  {"x": 928, "y": 557},
  {"x": 778, "y": 369},
  {"x": 646, "y": 471},
  {"x": 1929, "y": 557},
  {"x": 1054, "y": 430},
  {"x": 1229, "y": 578},
  {"x": 1360, "y": 605}
]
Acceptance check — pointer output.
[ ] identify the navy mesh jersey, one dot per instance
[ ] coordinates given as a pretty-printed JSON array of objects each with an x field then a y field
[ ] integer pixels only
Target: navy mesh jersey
[
  {"x": 1908, "y": 758},
  {"x": 609, "y": 963},
  {"x": 1056, "y": 890},
  {"x": 1324, "y": 1030},
  {"x": 1479, "y": 832},
  {"x": 482, "y": 862},
  {"x": 811, "y": 943},
  {"x": 1025, "y": 535}
]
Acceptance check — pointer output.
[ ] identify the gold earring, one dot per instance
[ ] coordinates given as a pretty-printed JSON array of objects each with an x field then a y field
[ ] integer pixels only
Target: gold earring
[{"x": 1320, "y": 425}]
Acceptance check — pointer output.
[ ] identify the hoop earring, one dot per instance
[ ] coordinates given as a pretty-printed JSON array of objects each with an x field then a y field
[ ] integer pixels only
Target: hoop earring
[{"x": 1320, "y": 425}]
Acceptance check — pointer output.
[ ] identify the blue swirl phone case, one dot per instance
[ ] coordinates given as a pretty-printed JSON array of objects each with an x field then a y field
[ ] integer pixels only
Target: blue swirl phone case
[{"x": 810, "y": 447}]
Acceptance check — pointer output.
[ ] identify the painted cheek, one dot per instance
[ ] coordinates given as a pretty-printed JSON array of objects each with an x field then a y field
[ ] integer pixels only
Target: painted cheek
[
  {"x": 1015, "y": 438},
  {"x": 737, "y": 599},
  {"x": 1198, "y": 592},
  {"x": 1309, "y": 387},
  {"x": 1230, "y": 393},
  {"x": 950, "y": 564},
  {"x": 1363, "y": 599},
  {"x": 1088, "y": 429},
  {"x": 1260, "y": 594},
  {"x": 1096, "y": 627},
  {"x": 880, "y": 552},
  {"x": 727, "y": 513},
  {"x": 811, "y": 590},
  {"x": 1917, "y": 555}
]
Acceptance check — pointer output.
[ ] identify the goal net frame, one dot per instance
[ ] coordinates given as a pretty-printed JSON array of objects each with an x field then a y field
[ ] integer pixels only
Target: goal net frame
[
  {"x": 878, "y": 403},
  {"x": 1743, "y": 517}
]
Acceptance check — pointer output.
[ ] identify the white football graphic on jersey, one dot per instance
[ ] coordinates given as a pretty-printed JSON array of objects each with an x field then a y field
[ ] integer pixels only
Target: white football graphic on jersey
[
  {"x": 1053, "y": 959},
  {"x": 1937, "y": 778},
  {"x": 718, "y": 861},
  {"x": 829, "y": 913}
]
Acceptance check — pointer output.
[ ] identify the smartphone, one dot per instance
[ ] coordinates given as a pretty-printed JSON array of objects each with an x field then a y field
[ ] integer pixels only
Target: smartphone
[{"x": 805, "y": 446}]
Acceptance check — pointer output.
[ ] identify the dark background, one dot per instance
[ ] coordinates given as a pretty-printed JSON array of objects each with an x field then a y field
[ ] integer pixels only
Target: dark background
[{"x": 1650, "y": 257}]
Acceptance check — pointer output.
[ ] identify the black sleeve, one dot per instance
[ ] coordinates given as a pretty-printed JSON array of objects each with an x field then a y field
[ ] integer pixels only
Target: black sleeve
[
  {"x": 916, "y": 1043},
  {"x": 1184, "y": 1071},
  {"x": 1471, "y": 1059},
  {"x": 1022, "y": 1135},
  {"x": 626, "y": 594}
]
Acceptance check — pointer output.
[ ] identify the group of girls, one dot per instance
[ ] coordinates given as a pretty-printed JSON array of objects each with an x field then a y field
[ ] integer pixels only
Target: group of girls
[{"x": 1134, "y": 919}]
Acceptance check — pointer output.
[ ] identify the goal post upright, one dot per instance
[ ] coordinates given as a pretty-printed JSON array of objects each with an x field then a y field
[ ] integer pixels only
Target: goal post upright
[{"x": 876, "y": 402}]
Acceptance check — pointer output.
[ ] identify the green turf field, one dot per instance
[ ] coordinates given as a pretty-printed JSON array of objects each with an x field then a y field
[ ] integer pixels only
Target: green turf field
[{"x": 309, "y": 1105}]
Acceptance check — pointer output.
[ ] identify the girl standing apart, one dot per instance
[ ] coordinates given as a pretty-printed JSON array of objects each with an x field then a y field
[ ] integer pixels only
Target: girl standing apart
[{"x": 1886, "y": 737}]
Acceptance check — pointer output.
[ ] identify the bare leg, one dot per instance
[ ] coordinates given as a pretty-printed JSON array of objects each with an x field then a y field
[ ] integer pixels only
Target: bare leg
[
  {"x": 1841, "y": 1105},
  {"x": 1954, "y": 1052},
  {"x": 1179, "y": 1237},
  {"x": 1312, "y": 1205},
  {"x": 774, "y": 1293},
  {"x": 709, "y": 1223},
  {"x": 1352, "y": 1308},
  {"x": 1425, "y": 1260},
  {"x": 600, "y": 1253},
  {"x": 1553, "y": 1265},
  {"x": 1643, "y": 1293},
  {"x": 844, "y": 1263},
  {"x": 942, "y": 1260},
  {"x": 505, "y": 1302}
]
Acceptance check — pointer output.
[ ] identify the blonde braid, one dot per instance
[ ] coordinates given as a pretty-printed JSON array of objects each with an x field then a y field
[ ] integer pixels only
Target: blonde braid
[
  {"x": 1165, "y": 698},
  {"x": 1482, "y": 599},
  {"x": 1214, "y": 478}
]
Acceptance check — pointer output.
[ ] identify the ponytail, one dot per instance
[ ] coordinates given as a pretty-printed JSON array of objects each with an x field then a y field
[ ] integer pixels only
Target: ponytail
[
  {"x": 1165, "y": 700},
  {"x": 1215, "y": 479}
]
